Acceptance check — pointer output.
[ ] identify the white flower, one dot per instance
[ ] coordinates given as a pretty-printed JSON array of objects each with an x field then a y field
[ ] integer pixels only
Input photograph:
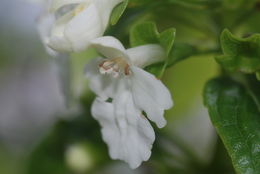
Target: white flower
[
  {"x": 124, "y": 91},
  {"x": 45, "y": 20},
  {"x": 44, "y": 25},
  {"x": 82, "y": 21}
]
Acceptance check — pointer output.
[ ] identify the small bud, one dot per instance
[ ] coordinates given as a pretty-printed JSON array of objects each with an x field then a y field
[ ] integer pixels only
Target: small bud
[{"x": 79, "y": 158}]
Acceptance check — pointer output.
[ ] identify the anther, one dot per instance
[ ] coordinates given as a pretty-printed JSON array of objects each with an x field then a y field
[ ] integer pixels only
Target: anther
[
  {"x": 114, "y": 67},
  {"x": 127, "y": 70}
]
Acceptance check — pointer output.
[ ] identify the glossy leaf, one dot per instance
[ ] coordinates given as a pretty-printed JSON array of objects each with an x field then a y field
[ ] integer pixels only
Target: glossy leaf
[
  {"x": 237, "y": 120},
  {"x": 240, "y": 54}
]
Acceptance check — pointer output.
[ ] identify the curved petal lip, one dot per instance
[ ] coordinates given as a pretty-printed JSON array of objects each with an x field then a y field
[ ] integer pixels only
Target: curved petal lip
[
  {"x": 150, "y": 95},
  {"x": 59, "y": 44},
  {"x": 145, "y": 55},
  {"x": 128, "y": 136},
  {"x": 110, "y": 47}
]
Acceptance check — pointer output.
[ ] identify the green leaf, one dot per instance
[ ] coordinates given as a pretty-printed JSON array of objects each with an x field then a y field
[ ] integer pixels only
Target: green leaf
[
  {"x": 258, "y": 75},
  {"x": 237, "y": 120},
  {"x": 118, "y": 12},
  {"x": 144, "y": 33},
  {"x": 166, "y": 39},
  {"x": 147, "y": 33},
  {"x": 240, "y": 54}
]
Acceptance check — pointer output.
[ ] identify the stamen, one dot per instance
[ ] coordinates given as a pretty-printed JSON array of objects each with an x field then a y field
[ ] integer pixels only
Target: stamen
[
  {"x": 114, "y": 67},
  {"x": 127, "y": 70},
  {"x": 101, "y": 64}
]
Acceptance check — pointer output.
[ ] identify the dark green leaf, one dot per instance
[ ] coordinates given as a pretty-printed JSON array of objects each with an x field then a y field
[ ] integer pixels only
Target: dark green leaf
[
  {"x": 240, "y": 54},
  {"x": 237, "y": 120}
]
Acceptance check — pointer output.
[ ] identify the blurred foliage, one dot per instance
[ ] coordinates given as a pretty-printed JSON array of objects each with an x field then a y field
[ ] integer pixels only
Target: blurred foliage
[
  {"x": 49, "y": 156},
  {"x": 190, "y": 76},
  {"x": 8, "y": 160}
]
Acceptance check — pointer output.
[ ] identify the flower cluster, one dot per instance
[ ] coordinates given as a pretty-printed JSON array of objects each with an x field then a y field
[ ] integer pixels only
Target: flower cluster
[{"x": 127, "y": 95}]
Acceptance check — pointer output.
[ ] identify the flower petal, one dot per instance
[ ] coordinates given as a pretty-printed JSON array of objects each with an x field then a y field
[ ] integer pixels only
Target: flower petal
[
  {"x": 84, "y": 27},
  {"x": 44, "y": 26},
  {"x": 150, "y": 95},
  {"x": 57, "y": 41},
  {"x": 110, "y": 47},
  {"x": 56, "y": 4},
  {"x": 145, "y": 55},
  {"x": 59, "y": 44},
  {"x": 129, "y": 135},
  {"x": 60, "y": 24},
  {"x": 137, "y": 134}
]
